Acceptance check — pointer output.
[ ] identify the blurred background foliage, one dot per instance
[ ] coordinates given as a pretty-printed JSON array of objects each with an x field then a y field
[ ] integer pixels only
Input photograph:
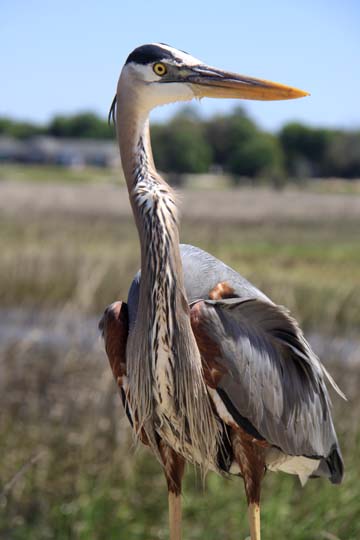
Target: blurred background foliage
[
  {"x": 69, "y": 247},
  {"x": 231, "y": 143},
  {"x": 280, "y": 205},
  {"x": 69, "y": 469}
]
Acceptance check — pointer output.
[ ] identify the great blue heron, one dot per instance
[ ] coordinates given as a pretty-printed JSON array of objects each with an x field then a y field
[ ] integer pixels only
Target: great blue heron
[{"x": 210, "y": 370}]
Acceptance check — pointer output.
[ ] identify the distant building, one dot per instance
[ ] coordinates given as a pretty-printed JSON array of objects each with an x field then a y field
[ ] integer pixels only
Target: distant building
[
  {"x": 11, "y": 150},
  {"x": 55, "y": 151}
]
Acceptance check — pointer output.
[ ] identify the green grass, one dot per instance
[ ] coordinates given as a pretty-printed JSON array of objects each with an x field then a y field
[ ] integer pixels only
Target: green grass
[
  {"x": 89, "y": 262},
  {"x": 334, "y": 185},
  {"x": 88, "y": 482},
  {"x": 55, "y": 173}
]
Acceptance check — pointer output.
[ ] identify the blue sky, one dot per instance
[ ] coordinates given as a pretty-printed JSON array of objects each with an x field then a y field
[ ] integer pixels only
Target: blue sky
[{"x": 65, "y": 56}]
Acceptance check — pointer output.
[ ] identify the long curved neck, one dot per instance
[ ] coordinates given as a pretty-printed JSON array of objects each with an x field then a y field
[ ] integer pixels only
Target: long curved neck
[
  {"x": 167, "y": 390},
  {"x": 144, "y": 184},
  {"x": 153, "y": 201}
]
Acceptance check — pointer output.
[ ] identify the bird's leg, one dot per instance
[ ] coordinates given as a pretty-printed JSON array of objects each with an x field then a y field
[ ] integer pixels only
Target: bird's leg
[
  {"x": 254, "y": 520},
  {"x": 174, "y": 466},
  {"x": 250, "y": 456},
  {"x": 175, "y": 516}
]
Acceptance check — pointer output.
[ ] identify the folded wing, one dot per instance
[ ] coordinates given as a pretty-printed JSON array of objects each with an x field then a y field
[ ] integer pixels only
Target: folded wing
[{"x": 267, "y": 376}]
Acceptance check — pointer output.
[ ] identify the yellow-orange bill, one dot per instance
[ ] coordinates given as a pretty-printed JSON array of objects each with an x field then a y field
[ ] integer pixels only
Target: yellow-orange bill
[{"x": 210, "y": 82}]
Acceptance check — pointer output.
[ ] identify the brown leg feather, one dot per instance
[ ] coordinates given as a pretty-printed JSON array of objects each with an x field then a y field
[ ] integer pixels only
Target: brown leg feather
[
  {"x": 249, "y": 454},
  {"x": 174, "y": 469}
]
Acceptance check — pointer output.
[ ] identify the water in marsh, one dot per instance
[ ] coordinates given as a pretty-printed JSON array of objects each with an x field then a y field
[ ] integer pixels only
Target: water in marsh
[
  {"x": 54, "y": 329},
  {"x": 63, "y": 330}
]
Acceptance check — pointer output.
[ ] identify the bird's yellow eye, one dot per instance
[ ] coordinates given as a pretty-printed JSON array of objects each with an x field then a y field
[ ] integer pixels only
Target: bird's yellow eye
[{"x": 159, "y": 69}]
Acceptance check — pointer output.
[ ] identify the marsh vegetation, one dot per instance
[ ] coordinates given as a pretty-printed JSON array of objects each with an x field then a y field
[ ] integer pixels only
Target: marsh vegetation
[{"x": 69, "y": 469}]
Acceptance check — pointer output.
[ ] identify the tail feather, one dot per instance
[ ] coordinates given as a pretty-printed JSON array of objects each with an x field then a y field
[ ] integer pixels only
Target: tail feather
[
  {"x": 336, "y": 465},
  {"x": 331, "y": 467}
]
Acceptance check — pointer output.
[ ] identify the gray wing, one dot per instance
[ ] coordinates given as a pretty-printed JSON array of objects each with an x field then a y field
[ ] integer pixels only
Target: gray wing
[
  {"x": 271, "y": 382},
  {"x": 202, "y": 272},
  {"x": 274, "y": 384}
]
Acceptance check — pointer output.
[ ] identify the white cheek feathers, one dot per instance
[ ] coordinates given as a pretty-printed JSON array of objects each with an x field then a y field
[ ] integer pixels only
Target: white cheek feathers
[
  {"x": 150, "y": 92},
  {"x": 162, "y": 93},
  {"x": 142, "y": 73}
]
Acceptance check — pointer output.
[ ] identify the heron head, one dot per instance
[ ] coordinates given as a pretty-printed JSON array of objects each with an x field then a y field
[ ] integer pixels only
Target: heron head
[{"x": 159, "y": 74}]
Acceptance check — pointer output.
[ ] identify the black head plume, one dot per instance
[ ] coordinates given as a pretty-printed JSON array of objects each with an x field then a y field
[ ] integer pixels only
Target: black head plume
[{"x": 112, "y": 112}]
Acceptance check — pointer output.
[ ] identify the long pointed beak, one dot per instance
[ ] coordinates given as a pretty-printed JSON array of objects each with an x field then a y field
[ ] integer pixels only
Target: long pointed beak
[{"x": 211, "y": 82}]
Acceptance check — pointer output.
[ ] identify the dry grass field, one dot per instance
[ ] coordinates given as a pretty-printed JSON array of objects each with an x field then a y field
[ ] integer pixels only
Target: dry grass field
[{"x": 69, "y": 470}]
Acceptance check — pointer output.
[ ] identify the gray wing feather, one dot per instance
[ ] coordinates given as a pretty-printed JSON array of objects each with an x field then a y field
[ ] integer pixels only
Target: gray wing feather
[
  {"x": 202, "y": 272},
  {"x": 273, "y": 378}
]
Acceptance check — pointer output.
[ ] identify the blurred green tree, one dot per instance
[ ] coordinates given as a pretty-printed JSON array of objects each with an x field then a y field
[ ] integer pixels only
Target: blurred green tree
[
  {"x": 259, "y": 156},
  {"x": 343, "y": 155},
  {"x": 180, "y": 146},
  {"x": 5, "y": 125},
  {"x": 233, "y": 143},
  {"x": 225, "y": 133},
  {"x": 19, "y": 130},
  {"x": 84, "y": 125},
  {"x": 305, "y": 149},
  {"x": 242, "y": 149}
]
